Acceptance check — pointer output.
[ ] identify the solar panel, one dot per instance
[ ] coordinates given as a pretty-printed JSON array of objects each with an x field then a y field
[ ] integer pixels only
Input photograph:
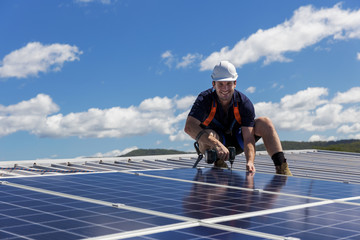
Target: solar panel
[
  {"x": 205, "y": 203},
  {"x": 36, "y": 215}
]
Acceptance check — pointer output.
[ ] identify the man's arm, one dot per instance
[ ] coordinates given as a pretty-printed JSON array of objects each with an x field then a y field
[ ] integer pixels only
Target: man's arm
[
  {"x": 249, "y": 147},
  {"x": 192, "y": 127},
  {"x": 208, "y": 140}
]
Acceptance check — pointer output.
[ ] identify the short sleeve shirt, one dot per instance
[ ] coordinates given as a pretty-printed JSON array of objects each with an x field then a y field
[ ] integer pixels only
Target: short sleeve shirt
[{"x": 202, "y": 107}]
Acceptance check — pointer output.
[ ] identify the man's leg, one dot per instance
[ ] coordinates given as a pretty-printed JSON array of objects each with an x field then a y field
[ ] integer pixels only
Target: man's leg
[{"x": 265, "y": 129}]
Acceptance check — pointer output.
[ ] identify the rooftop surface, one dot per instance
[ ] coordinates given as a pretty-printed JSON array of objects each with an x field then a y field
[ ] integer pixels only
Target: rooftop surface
[
  {"x": 163, "y": 197},
  {"x": 316, "y": 164}
]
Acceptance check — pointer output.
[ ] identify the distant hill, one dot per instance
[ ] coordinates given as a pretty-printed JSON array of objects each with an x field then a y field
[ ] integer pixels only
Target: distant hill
[
  {"x": 351, "y": 145},
  {"x": 149, "y": 152},
  {"x": 342, "y": 145}
]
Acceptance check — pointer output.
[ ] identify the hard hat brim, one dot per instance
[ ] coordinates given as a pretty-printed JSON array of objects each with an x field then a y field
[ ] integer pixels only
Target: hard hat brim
[{"x": 225, "y": 79}]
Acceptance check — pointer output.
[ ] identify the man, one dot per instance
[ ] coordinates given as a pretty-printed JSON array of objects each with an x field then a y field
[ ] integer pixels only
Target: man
[{"x": 223, "y": 117}]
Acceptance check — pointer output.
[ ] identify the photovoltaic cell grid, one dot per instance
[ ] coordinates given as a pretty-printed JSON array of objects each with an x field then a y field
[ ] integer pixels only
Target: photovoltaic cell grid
[{"x": 178, "y": 204}]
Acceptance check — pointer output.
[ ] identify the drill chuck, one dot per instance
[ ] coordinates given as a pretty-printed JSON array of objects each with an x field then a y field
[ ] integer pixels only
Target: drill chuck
[{"x": 232, "y": 153}]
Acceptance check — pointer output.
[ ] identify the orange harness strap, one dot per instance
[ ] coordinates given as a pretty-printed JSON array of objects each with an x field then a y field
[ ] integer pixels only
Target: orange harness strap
[
  {"x": 211, "y": 115},
  {"x": 237, "y": 113},
  {"x": 213, "y": 111}
]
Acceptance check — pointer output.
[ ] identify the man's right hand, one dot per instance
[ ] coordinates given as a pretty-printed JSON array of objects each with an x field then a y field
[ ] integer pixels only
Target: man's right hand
[
  {"x": 209, "y": 140},
  {"x": 222, "y": 152}
]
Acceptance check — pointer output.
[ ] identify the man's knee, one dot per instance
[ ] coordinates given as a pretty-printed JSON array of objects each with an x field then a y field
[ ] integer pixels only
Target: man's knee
[
  {"x": 263, "y": 120},
  {"x": 263, "y": 125}
]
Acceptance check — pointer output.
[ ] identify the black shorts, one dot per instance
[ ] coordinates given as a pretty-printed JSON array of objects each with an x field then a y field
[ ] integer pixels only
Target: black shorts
[{"x": 234, "y": 140}]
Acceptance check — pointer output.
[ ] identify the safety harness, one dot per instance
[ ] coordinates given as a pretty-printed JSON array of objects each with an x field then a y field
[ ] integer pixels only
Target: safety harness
[{"x": 211, "y": 117}]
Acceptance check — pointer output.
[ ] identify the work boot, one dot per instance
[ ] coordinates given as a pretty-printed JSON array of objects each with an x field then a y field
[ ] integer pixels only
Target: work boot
[
  {"x": 283, "y": 169},
  {"x": 220, "y": 164}
]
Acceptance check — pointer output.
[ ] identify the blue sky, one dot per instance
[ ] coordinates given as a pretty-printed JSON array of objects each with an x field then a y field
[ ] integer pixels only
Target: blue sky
[{"x": 99, "y": 78}]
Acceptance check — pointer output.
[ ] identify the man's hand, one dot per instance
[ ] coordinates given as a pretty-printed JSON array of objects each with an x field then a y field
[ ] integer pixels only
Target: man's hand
[
  {"x": 209, "y": 140},
  {"x": 250, "y": 167},
  {"x": 222, "y": 152},
  {"x": 249, "y": 147}
]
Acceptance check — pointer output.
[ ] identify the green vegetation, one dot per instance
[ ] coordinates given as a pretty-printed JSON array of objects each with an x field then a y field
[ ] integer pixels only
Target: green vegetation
[
  {"x": 148, "y": 152},
  {"x": 342, "y": 145}
]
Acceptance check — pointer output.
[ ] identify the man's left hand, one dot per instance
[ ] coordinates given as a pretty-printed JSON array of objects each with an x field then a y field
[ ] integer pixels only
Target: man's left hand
[{"x": 250, "y": 167}]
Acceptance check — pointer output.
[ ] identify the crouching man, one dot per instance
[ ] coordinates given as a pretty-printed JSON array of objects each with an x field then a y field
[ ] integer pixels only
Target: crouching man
[{"x": 222, "y": 116}]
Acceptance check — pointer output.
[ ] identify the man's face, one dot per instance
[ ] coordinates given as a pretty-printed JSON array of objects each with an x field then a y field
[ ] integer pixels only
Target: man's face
[{"x": 224, "y": 90}]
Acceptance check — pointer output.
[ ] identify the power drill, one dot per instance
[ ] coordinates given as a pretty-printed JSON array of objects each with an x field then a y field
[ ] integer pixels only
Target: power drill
[{"x": 211, "y": 156}]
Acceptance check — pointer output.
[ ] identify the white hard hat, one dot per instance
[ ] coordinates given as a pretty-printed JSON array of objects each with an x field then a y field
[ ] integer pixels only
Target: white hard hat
[{"x": 224, "y": 71}]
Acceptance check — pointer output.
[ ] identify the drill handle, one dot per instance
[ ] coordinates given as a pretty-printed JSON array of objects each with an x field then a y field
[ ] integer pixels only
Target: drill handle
[{"x": 196, "y": 146}]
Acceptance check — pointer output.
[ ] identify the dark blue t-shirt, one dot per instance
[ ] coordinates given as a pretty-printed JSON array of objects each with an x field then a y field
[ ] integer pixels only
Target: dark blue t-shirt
[{"x": 202, "y": 107}]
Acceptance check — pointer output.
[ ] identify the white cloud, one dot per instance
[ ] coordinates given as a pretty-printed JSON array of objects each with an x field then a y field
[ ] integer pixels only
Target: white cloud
[
  {"x": 41, "y": 105},
  {"x": 318, "y": 138},
  {"x": 354, "y": 136},
  {"x": 26, "y": 115},
  {"x": 180, "y": 136},
  {"x": 307, "y": 27},
  {"x": 167, "y": 54},
  {"x": 350, "y": 96},
  {"x": 349, "y": 128},
  {"x": 276, "y": 85},
  {"x": 358, "y": 56},
  {"x": 186, "y": 61},
  {"x": 35, "y": 58},
  {"x": 250, "y": 89},
  {"x": 305, "y": 99},
  {"x": 156, "y": 104},
  {"x": 307, "y": 110},
  {"x": 296, "y": 111},
  {"x": 185, "y": 102},
  {"x": 168, "y": 58},
  {"x": 159, "y": 115},
  {"x": 327, "y": 116},
  {"x": 116, "y": 152},
  {"x": 89, "y": 1}
]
